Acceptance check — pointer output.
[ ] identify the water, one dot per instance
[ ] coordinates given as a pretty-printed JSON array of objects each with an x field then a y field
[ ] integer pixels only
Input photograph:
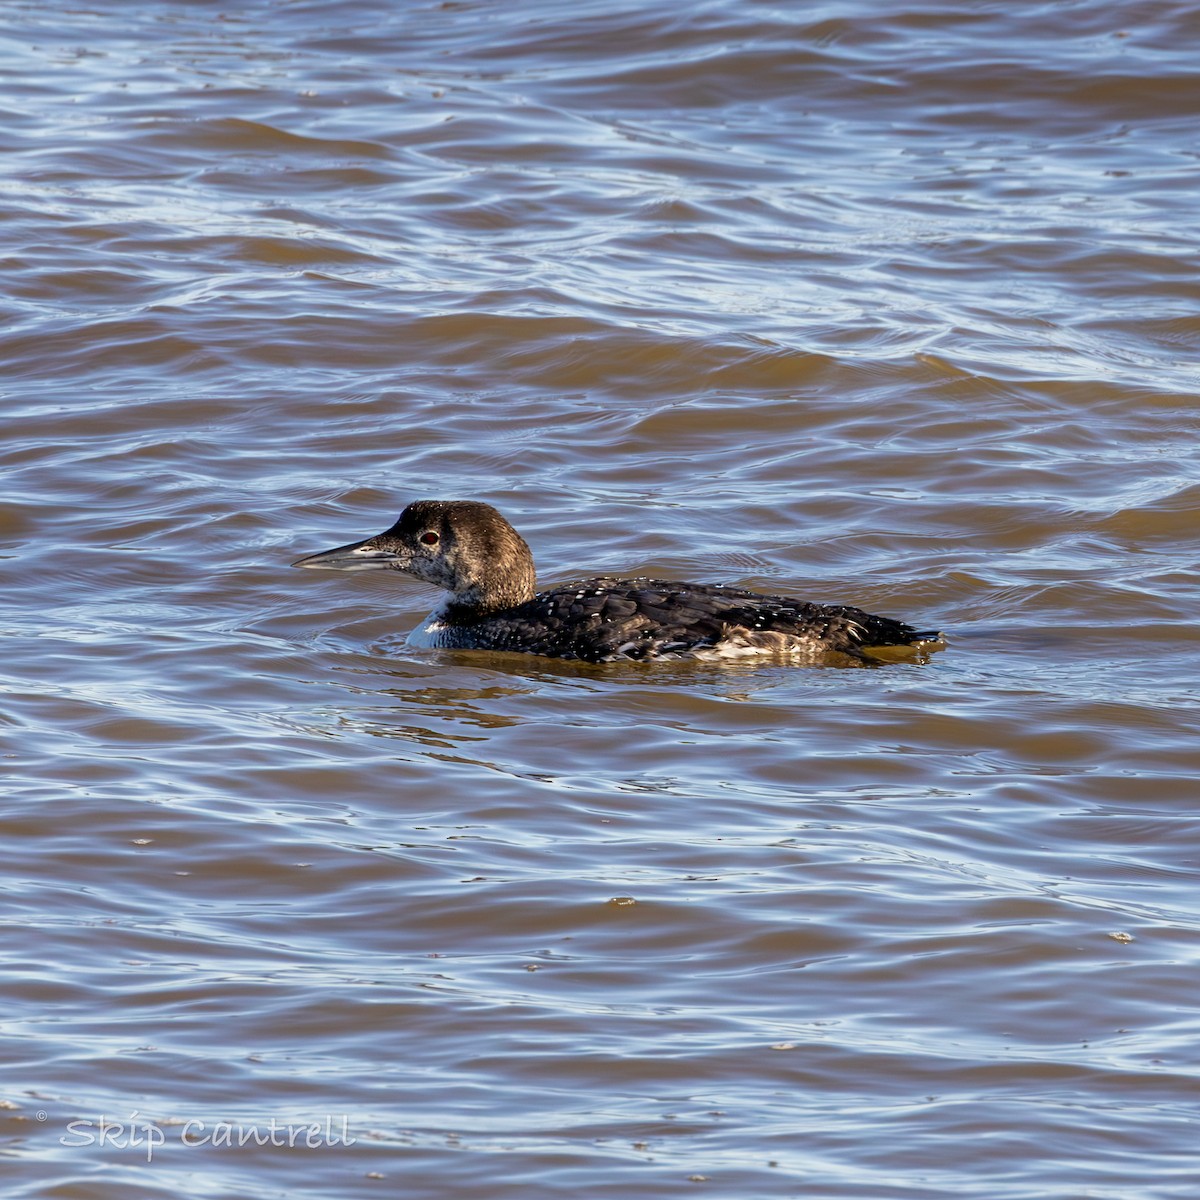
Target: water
[{"x": 886, "y": 306}]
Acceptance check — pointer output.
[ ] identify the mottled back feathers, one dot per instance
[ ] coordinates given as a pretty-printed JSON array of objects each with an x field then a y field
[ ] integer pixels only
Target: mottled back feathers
[{"x": 606, "y": 619}]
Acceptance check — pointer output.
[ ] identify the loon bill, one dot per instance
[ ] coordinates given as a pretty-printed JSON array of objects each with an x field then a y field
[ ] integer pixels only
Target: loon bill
[{"x": 472, "y": 552}]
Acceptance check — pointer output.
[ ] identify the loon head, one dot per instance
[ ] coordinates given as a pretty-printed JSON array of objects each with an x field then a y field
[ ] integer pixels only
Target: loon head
[{"x": 463, "y": 546}]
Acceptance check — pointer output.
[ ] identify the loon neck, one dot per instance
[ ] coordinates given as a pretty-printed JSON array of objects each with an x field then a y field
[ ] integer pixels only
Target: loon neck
[{"x": 500, "y": 589}]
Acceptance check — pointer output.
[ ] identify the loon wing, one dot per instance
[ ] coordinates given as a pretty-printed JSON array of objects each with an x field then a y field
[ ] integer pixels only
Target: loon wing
[{"x": 602, "y": 619}]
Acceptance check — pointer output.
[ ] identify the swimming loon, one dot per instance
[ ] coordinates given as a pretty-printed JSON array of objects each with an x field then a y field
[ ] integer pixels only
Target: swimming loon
[{"x": 469, "y": 549}]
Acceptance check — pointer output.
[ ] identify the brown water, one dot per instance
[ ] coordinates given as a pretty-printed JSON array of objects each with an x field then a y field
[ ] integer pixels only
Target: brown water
[{"x": 894, "y": 306}]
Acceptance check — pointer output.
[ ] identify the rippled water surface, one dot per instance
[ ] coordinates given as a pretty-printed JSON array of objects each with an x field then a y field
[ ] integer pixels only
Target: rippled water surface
[{"x": 888, "y": 305}]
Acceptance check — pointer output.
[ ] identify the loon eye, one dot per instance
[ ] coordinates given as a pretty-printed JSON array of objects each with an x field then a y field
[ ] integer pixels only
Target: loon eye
[{"x": 429, "y": 538}]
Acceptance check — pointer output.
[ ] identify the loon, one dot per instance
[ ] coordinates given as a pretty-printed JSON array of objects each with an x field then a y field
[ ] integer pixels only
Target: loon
[{"x": 472, "y": 552}]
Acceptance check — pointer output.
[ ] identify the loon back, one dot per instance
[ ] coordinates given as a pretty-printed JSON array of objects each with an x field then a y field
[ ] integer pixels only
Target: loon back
[
  {"x": 472, "y": 552},
  {"x": 607, "y": 619}
]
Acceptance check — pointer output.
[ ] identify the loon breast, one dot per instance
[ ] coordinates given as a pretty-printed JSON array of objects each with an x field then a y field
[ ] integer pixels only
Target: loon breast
[{"x": 432, "y": 633}]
